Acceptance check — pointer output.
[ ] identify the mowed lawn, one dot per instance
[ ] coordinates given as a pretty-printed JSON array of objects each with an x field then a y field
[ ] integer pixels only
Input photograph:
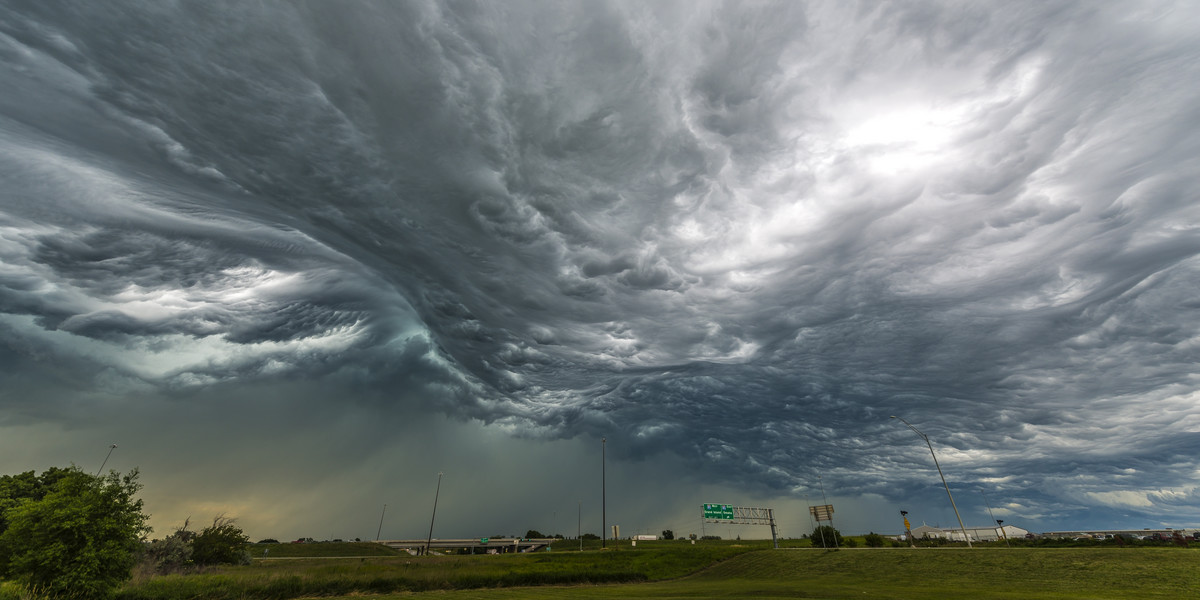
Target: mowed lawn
[{"x": 906, "y": 573}]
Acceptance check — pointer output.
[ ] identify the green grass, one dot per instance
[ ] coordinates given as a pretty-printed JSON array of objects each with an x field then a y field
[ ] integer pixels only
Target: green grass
[
  {"x": 306, "y": 577},
  {"x": 322, "y": 549},
  {"x": 724, "y": 569},
  {"x": 9, "y": 591},
  {"x": 910, "y": 574}
]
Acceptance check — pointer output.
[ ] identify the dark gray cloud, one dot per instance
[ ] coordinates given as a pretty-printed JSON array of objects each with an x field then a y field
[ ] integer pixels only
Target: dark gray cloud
[{"x": 732, "y": 238}]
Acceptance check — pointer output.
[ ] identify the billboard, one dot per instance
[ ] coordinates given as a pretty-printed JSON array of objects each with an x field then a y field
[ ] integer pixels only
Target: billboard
[{"x": 823, "y": 512}]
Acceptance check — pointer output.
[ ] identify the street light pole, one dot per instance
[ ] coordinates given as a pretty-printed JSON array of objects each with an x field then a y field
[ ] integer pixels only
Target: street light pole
[
  {"x": 826, "y": 501},
  {"x": 907, "y": 529},
  {"x": 942, "y": 475},
  {"x": 110, "y": 451},
  {"x": 808, "y": 505},
  {"x": 438, "y": 491},
  {"x": 603, "y": 494},
  {"x": 377, "y": 531},
  {"x": 993, "y": 516}
]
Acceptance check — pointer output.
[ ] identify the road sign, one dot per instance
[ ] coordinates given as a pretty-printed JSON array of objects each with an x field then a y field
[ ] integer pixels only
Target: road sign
[
  {"x": 740, "y": 515},
  {"x": 722, "y": 512},
  {"x": 823, "y": 512}
]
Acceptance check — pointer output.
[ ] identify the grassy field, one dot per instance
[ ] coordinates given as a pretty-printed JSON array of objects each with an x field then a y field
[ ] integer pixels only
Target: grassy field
[
  {"x": 308, "y": 577},
  {"x": 724, "y": 569},
  {"x": 908, "y": 574},
  {"x": 320, "y": 550}
]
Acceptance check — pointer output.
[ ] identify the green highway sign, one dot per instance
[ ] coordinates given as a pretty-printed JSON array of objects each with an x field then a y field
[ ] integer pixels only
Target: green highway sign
[{"x": 722, "y": 512}]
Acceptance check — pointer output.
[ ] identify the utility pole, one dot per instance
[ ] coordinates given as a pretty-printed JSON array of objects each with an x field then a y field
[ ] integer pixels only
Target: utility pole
[
  {"x": 907, "y": 529},
  {"x": 381, "y": 522},
  {"x": 110, "y": 451},
  {"x": 429, "y": 540},
  {"x": 826, "y": 501},
  {"x": 942, "y": 475},
  {"x": 603, "y": 494},
  {"x": 993, "y": 516}
]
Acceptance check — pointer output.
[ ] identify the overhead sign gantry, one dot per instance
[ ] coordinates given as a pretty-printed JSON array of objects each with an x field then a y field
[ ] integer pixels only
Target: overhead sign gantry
[{"x": 740, "y": 515}]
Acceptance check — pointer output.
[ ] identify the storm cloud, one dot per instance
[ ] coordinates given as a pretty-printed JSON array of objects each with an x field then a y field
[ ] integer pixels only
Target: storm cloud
[{"x": 731, "y": 238}]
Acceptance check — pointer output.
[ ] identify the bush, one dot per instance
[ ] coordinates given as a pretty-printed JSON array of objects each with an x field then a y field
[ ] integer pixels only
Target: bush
[
  {"x": 873, "y": 540},
  {"x": 80, "y": 540},
  {"x": 172, "y": 554},
  {"x": 221, "y": 543},
  {"x": 169, "y": 555},
  {"x": 825, "y": 536}
]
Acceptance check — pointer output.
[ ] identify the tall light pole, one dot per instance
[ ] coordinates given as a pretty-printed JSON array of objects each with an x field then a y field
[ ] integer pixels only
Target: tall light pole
[
  {"x": 603, "y": 494},
  {"x": 110, "y": 451},
  {"x": 826, "y": 501},
  {"x": 907, "y": 529},
  {"x": 943, "y": 476},
  {"x": 429, "y": 540},
  {"x": 808, "y": 505},
  {"x": 993, "y": 516},
  {"x": 377, "y": 531}
]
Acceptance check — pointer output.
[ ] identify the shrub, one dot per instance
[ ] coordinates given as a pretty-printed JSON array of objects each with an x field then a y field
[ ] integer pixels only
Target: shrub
[
  {"x": 167, "y": 555},
  {"x": 874, "y": 540},
  {"x": 825, "y": 536},
  {"x": 170, "y": 554},
  {"x": 221, "y": 543}
]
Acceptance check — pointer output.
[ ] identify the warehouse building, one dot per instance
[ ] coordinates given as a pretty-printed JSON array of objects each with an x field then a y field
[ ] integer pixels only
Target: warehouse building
[{"x": 977, "y": 534}]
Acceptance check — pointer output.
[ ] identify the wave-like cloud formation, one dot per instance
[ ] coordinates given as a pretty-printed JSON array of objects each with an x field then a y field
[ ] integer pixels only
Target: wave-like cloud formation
[{"x": 743, "y": 233}]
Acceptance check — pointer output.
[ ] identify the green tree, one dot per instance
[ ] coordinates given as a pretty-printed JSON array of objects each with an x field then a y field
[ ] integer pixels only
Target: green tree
[
  {"x": 223, "y": 542},
  {"x": 80, "y": 539},
  {"x": 825, "y": 536},
  {"x": 873, "y": 540},
  {"x": 25, "y": 486},
  {"x": 668, "y": 534},
  {"x": 534, "y": 534}
]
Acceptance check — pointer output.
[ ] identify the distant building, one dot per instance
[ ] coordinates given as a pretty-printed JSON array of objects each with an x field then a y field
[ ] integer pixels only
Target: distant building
[
  {"x": 977, "y": 534},
  {"x": 1147, "y": 533}
]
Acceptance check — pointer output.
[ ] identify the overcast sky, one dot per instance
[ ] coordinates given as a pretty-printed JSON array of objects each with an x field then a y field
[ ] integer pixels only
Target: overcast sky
[{"x": 295, "y": 259}]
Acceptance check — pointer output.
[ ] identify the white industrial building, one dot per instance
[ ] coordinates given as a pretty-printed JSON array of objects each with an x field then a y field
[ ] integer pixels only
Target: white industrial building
[{"x": 977, "y": 534}]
